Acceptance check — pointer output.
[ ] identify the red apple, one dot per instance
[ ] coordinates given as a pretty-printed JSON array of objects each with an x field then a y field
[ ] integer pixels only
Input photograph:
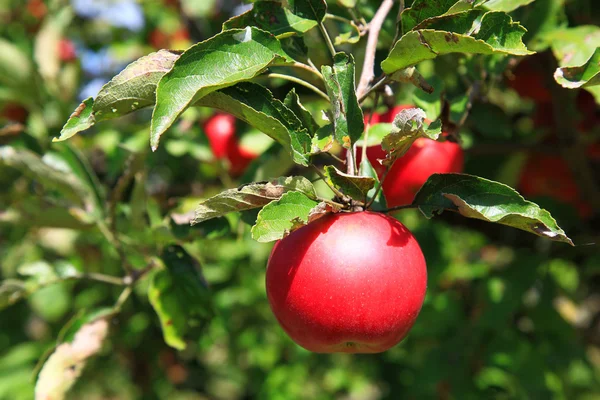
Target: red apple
[
  {"x": 424, "y": 158},
  {"x": 220, "y": 131},
  {"x": 549, "y": 176},
  {"x": 409, "y": 173},
  {"x": 348, "y": 283},
  {"x": 66, "y": 50}
]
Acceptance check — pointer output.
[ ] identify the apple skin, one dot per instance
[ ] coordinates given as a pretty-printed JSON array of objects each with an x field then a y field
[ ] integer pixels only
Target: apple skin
[
  {"x": 424, "y": 158},
  {"x": 66, "y": 50},
  {"x": 347, "y": 283},
  {"x": 220, "y": 131}
]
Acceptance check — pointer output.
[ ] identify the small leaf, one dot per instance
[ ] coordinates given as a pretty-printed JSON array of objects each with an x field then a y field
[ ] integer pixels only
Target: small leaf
[
  {"x": 497, "y": 33},
  {"x": 32, "y": 166},
  {"x": 280, "y": 217},
  {"x": 366, "y": 169},
  {"x": 573, "y": 46},
  {"x": 251, "y": 196},
  {"x": 356, "y": 187},
  {"x": 228, "y": 58},
  {"x": 180, "y": 296},
  {"x": 479, "y": 198},
  {"x": 80, "y": 120},
  {"x": 322, "y": 141},
  {"x": 505, "y": 5},
  {"x": 585, "y": 75},
  {"x": 408, "y": 126},
  {"x": 272, "y": 17},
  {"x": 292, "y": 101},
  {"x": 313, "y": 9},
  {"x": 256, "y": 105},
  {"x": 347, "y": 121},
  {"x": 65, "y": 365}
]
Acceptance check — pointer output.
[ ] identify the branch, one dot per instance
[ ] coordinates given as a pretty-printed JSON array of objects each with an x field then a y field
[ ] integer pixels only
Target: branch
[
  {"x": 369, "y": 64},
  {"x": 403, "y": 207}
]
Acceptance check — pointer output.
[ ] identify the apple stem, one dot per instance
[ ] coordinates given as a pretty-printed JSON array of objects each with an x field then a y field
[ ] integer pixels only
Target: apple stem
[{"x": 396, "y": 208}]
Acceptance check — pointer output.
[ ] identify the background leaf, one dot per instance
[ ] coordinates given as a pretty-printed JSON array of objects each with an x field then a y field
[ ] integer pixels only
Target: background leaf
[
  {"x": 585, "y": 75},
  {"x": 179, "y": 296}
]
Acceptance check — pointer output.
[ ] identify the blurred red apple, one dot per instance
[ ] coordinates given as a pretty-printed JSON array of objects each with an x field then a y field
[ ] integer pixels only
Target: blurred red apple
[
  {"x": 529, "y": 81},
  {"x": 66, "y": 50}
]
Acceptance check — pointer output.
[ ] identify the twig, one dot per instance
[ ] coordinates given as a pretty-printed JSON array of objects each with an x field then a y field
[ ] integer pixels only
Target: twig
[
  {"x": 399, "y": 25},
  {"x": 336, "y": 158},
  {"x": 366, "y": 137},
  {"x": 309, "y": 68},
  {"x": 113, "y": 280},
  {"x": 299, "y": 82},
  {"x": 473, "y": 93},
  {"x": 351, "y": 161},
  {"x": 122, "y": 299},
  {"x": 378, "y": 189},
  {"x": 369, "y": 64},
  {"x": 380, "y": 82}
]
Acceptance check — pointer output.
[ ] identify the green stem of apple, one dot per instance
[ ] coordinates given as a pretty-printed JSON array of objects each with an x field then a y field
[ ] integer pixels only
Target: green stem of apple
[
  {"x": 327, "y": 39},
  {"x": 299, "y": 82}
]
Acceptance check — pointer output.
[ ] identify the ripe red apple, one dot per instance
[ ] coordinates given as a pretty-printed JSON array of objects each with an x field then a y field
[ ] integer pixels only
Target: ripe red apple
[
  {"x": 220, "y": 131},
  {"x": 425, "y": 158},
  {"x": 409, "y": 173},
  {"x": 348, "y": 283}
]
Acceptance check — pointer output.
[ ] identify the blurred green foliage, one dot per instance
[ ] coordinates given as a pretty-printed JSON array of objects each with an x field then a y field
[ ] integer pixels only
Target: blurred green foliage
[{"x": 507, "y": 315}]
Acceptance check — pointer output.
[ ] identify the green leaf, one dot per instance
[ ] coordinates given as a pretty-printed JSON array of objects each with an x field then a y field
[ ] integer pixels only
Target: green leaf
[
  {"x": 16, "y": 69},
  {"x": 32, "y": 166},
  {"x": 422, "y": 10},
  {"x": 574, "y": 46},
  {"x": 292, "y": 101},
  {"x": 431, "y": 103},
  {"x": 408, "y": 126},
  {"x": 280, "y": 217},
  {"x": 256, "y": 105},
  {"x": 366, "y": 169},
  {"x": 179, "y": 296},
  {"x": 228, "y": 58},
  {"x": 585, "y": 75},
  {"x": 347, "y": 121},
  {"x": 505, "y": 5},
  {"x": 356, "y": 187},
  {"x": 80, "y": 120},
  {"x": 496, "y": 34},
  {"x": 42, "y": 273},
  {"x": 312, "y": 9},
  {"x": 251, "y": 196},
  {"x": 480, "y": 198},
  {"x": 134, "y": 87},
  {"x": 272, "y": 17},
  {"x": 64, "y": 366}
]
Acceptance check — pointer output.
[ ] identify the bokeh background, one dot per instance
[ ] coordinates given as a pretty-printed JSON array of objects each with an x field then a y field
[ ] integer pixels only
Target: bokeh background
[{"x": 507, "y": 316}]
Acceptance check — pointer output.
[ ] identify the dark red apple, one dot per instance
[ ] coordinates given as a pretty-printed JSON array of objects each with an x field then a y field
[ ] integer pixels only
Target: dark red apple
[
  {"x": 425, "y": 158},
  {"x": 14, "y": 112},
  {"x": 348, "y": 283},
  {"x": 549, "y": 175},
  {"x": 529, "y": 81}
]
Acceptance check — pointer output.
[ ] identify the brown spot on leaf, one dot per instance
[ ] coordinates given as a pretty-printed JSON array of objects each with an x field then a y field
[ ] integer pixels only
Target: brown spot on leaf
[{"x": 78, "y": 111}]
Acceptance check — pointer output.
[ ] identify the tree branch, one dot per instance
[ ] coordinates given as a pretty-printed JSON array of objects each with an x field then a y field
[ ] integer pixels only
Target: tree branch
[{"x": 374, "y": 28}]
